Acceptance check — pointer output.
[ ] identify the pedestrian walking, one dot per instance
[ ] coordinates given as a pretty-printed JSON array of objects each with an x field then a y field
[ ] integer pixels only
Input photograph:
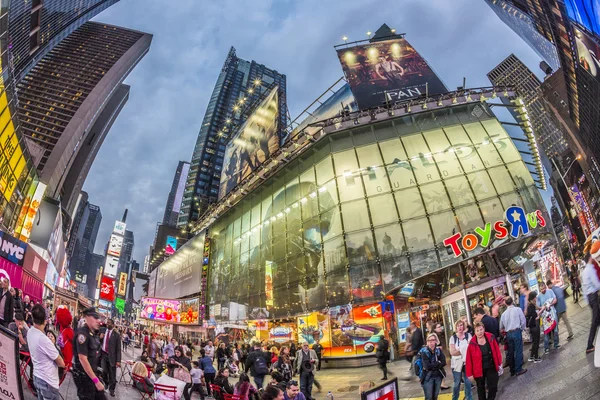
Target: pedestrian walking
[
  {"x": 210, "y": 350},
  {"x": 318, "y": 348},
  {"x": 85, "y": 355},
  {"x": 206, "y": 365},
  {"x": 111, "y": 356},
  {"x": 490, "y": 323},
  {"x": 484, "y": 363},
  {"x": 433, "y": 363},
  {"x": 417, "y": 343},
  {"x": 221, "y": 356},
  {"x": 45, "y": 357},
  {"x": 383, "y": 355},
  {"x": 284, "y": 364},
  {"x": 533, "y": 323},
  {"x": 258, "y": 364},
  {"x": 513, "y": 322},
  {"x": 459, "y": 342},
  {"x": 575, "y": 283},
  {"x": 560, "y": 306},
  {"x": 7, "y": 307},
  {"x": 547, "y": 299},
  {"x": 304, "y": 365},
  {"x": 591, "y": 286}
]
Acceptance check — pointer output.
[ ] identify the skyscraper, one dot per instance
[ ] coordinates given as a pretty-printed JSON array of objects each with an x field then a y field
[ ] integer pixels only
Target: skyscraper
[
  {"x": 240, "y": 83},
  {"x": 512, "y": 72},
  {"x": 36, "y": 26},
  {"x": 84, "y": 237},
  {"x": 62, "y": 100},
  {"x": 176, "y": 194}
]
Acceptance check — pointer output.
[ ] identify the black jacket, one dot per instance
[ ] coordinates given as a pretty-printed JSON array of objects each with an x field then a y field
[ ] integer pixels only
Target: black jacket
[
  {"x": 224, "y": 383},
  {"x": 254, "y": 354},
  {"x": 114, "y": 347},
  {"x": 9, "y": 307},
  {"x": 433, "y": 364},
  {"x": 221, "y": 353},
  {"x": 383, "y": 350},
  {"x": 417, "y": 340},
  {"x": 491, "y": 325}
]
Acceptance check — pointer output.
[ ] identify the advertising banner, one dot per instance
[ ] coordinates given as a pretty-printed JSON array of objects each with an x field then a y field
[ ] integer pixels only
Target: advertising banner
[
  {"x": 282, "y": 332},
  {"x": 12, "y": 248},
  {"x": 35, "y": 264},
  {"x": 10, "y": 379},
  {"x": 30, "y": 208},
  {"x": 313, "y": 328},
  {"x": 107, "y": 290},
  {"x": 122, "y": 284},
  {"x": 550, "y": 266},
  {"x": 586, "y": 12},
  {"x": 588, "y": 53},
  {"x": 119, "y": 228},
  {"x": 252, "y": 144},
  {"x": 171, "y": 245},
  {"x": 180, "y": 312},
  {"x": 11, "y": 271},
  {"x": 12, "y": 161},
  {"x": 120, "y": 305},
  {"x": 181, "y": 273},
  {"x": 115, "y": 245},
  {"x": 111, "y": 265},
  {"x": 390, "y": 70}
]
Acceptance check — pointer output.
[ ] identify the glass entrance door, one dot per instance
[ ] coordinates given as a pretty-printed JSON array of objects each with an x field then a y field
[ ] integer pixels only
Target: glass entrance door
[{"x": 453, "y": 311}]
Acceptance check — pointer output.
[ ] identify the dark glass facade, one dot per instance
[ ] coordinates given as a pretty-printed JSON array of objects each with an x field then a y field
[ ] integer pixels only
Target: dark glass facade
[
  {"x": 363, "y": 212},
  {"x": 240, "y": 82}
]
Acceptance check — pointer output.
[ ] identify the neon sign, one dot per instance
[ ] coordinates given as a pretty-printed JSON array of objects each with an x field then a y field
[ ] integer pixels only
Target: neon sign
[{"x": 519, "y": 223}]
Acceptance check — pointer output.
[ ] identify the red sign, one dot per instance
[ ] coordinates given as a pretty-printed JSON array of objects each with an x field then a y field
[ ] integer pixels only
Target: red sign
[{"x": 107, "y": 290}]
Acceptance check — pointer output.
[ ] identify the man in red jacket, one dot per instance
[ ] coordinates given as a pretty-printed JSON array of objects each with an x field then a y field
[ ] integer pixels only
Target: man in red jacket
[{"x": 484, "y": 363}]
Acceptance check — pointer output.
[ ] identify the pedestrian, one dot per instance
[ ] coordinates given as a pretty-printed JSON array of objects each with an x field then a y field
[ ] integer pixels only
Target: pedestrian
[
  {"x": 292, "y": 392},
  {"x": 6, "y": 303},
  {"x": 18, "y": 301},
  {"x": 523, "y": 296},
  {"x": 244, "y": 388},
  {"x": 154, "y": 350},
  {"x": 383, "y": 355},
  {"x": 533, "y": 323},
  {"x": 591, "y": 286},
  {"x": 304, "y": 365},
  {"x": 272, "y": 393},
  {"x": 434, "y": 361},
  {"x": 170, "y": 348},
  {"x": 45, "y": 357},
  {"x": 206, "y": 365},
  {"x": 416, "y": 344},
  {"x": 244, "y": 356},
  {"x": 547, "y": 299},
  {"x": 513, "y": 322},
  {"x": 222, "y": 380},
  {"x": 85, "y": 355},
  {"x": 490, "y": 323},
  {"x": 318, "y": 348},
  {"x": 439, "y": 332},
  {"x": 284, "y": 363},
  {"x": 221, "y": 356},
  {"x": 408, "y": 346},
  {"x": 484, "y": 363},
  {"x": 575, "y": 283},
  {"x": 210, "y": 350},
  {"x": 561, "y": 307},
  {"x": 111, "y": 355},
  {"x": 258, "y": 364},
  {"x": 459, "y": 342}
]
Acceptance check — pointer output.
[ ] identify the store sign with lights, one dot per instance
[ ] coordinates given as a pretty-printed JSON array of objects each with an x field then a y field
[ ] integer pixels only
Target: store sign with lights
[{"x": 517, "y": 224}]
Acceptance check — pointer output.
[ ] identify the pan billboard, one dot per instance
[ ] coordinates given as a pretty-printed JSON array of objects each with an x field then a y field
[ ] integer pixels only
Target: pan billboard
[
  {"x": 588, "y": 53},
  {"x": 252, "y": 144},
  {"x": 390, "y": 70}
]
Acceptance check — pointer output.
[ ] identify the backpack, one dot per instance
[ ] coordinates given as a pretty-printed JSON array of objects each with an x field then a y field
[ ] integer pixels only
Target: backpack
[
  {"x": 419, "y": 371},
  {"x": 260, "y": 366}
]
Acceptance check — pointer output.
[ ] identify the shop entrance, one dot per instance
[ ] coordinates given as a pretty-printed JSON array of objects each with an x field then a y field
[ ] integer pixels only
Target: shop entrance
[{"x": 454, "y": 309}]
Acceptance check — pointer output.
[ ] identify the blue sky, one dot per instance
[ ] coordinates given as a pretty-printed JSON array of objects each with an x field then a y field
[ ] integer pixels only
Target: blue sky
[{"x": 171, "y": 86}]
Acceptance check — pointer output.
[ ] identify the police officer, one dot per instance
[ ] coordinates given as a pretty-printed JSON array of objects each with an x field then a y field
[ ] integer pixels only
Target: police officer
[{"x": 86, "y": 348}]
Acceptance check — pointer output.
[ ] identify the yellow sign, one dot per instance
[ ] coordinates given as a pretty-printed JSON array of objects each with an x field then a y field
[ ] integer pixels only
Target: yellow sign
[
  {"x": 12, "y": 161},
  {"x": 122, "y": 284}
]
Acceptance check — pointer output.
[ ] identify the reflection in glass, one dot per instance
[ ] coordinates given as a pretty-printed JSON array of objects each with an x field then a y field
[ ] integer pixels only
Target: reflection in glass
[
  {"x": 338, "y": 291},
  {"x": 356, "y": 215},
  {"x": 345, "y": 162},
  {"x": 365, "y": 283},
  {"x": 360, "y": 247},
  {"x": 410, "y": 203},
  {"x": 383, "y": 209},
  {"x": 460, "y": 191},
  {"x": 435, "y": 197},
  {"x": 482, "y": 185},
  {"x": 423, "y": 262},
  {"x": 375, "y": 180}
]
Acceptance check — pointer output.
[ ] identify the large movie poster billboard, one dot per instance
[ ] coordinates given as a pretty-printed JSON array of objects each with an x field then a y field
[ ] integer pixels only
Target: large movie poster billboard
[
  {"x": 389, "y": 70},
  {"x": 253, "y": 143},
  {"x": 588, "y": 53}
]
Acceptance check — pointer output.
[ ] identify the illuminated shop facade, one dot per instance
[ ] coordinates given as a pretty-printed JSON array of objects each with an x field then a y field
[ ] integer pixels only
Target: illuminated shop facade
[{"x": 346, "y": 242}]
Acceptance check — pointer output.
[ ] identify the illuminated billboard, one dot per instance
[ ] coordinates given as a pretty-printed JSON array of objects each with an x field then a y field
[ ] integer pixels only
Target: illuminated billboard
[
  {"x": 107, "y": 289},
  {"x": 122, "y": 284},
  {"x": 119, "y": 228},
  {"x": 115, "y": 245},
  {"x": 179, "y": 312},
  {"x": 12, "y": 160},
  {"x": 252, "y": 144},
  {"x": 30, "y": 209},
  {"x": 111, "y": 265},
  {"x": 585, "y": 12},
  {"x": 171, "y": 245},
  {"x": 389, "y": 70},
  {"x": 588, "y": 53}
]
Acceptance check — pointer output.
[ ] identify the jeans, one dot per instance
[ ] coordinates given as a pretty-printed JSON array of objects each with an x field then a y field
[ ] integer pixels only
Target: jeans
[
  {"x": 209, "y": 379},
  {"x": 456, "y": 387},
  {"x": 547, "y": 338},
  {"x": 593, "y": 302},
  {"x": 515, "y": 351},
  {"x": 489, "y": 378},
  {"x": 258, "y": 380},
  {"x": 535, "y": 342},
  {"x": 45, "y": 391},
  {"x": 563, "y": 317},
  {"x": 431, "y": 387},
  {"x": 306, "y": 383}
]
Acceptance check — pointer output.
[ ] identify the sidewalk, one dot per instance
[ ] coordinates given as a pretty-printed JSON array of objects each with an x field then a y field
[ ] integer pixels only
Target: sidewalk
[{"x": 567, "y": 373}]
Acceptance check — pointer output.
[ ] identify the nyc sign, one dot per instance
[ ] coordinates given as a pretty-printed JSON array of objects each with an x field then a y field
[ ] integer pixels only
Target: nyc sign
[{"x": 519, "y": 223}]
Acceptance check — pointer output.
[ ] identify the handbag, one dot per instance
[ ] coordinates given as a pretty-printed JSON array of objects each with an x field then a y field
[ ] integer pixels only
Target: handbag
[{"x": 182, "y": 374}]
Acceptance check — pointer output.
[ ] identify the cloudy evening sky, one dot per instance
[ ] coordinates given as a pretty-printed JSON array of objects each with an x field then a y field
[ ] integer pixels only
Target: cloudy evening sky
[{"x": 171, "y": 86}]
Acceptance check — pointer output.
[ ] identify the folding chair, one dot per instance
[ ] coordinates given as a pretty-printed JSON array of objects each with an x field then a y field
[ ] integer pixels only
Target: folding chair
[
  {"x": 145, "y": 392},
  {"x": 227, "y": 396},
  {"x": 25, "y": 360},
  {"x": 216, "y": 390},
  {"x": 166, "y": 390}
]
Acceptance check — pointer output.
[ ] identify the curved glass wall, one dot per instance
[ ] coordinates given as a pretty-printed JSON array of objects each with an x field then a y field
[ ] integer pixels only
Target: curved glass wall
[{"x": 363, "y": 212}]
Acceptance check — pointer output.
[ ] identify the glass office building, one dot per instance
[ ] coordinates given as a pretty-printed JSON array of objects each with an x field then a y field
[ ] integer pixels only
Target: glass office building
[{"x": 363, "y": 212}]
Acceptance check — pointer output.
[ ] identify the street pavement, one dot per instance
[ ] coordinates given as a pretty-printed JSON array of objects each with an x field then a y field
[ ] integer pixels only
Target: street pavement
[{"x": 567, "y": 373}]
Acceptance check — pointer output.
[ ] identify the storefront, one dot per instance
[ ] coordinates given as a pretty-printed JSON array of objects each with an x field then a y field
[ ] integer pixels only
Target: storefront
[{"x": 34, "y": 273}]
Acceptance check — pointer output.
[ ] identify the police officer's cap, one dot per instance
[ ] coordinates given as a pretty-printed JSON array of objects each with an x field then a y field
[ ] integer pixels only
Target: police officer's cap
[{"x": 91, "y": 312}]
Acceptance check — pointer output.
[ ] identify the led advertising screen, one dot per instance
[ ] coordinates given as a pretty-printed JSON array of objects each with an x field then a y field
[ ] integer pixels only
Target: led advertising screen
[
  {"x": 588, "y": 53},
  {"x": 115, "y": 245},
  {"x": 12, "y": 161},
  {"x": 171, "y": 245},
  {"x": 180, "y": 312},
  {"x": 390, "y": 70},
  {"x": 119, "y": 228},
  {"x": 386, "y": 391},
  {"x": 252, "y": 144},
  {"x": 122, "y": 284},
  {"x": 111, "y": 265},
  {"x": 107, "y": 290},
  {"x": 585, "y": 12}
]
